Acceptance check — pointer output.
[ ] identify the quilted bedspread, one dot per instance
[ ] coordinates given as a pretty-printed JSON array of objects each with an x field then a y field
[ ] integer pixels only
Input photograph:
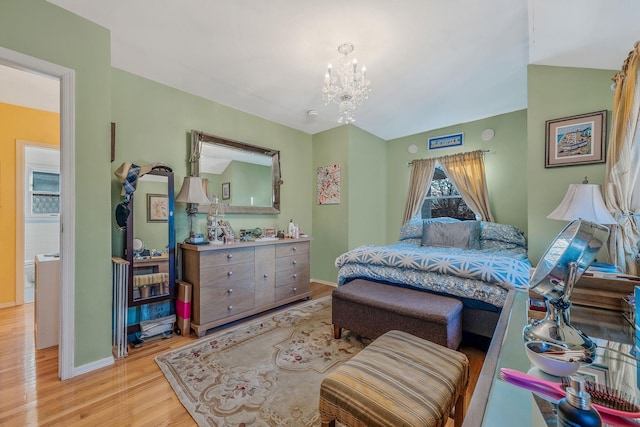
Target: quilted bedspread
[{"x": 477, "y": 274}]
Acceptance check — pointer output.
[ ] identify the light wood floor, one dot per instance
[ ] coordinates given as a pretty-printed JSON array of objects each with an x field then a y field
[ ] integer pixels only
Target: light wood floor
[{"x": 132, "y": 392}]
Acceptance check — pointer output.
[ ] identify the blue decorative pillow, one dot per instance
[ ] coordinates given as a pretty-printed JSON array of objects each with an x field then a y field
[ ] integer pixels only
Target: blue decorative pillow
[
  {"x": 463, "y": 235},
  {"x": 500, "y": 236},
  {"x": 411, "y": 231}
]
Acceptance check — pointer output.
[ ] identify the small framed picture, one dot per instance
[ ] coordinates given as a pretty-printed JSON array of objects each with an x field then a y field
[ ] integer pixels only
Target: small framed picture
[
  {"x": 269, "y": 232},
  {"x": 227, "y": 230},
  {"x": 226, "y": 190},
  {"x": 446, "y": 141},
  {"x": 157, "y": 207},
  {"x": 576, "y": 140}
]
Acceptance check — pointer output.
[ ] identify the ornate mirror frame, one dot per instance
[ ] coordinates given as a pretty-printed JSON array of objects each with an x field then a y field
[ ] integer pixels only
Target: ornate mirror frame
[{"x": 199, "y": 137}]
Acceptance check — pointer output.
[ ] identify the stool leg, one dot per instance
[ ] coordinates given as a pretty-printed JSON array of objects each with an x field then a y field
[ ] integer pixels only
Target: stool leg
[
  {"x": 337, "y": 332},
  {"x": 461, "y": 407},
  {"x": 331, "y": 423}
]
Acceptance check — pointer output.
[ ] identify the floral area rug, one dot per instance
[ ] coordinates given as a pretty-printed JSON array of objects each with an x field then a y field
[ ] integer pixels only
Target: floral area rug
[{"x": 264, "y": 373}]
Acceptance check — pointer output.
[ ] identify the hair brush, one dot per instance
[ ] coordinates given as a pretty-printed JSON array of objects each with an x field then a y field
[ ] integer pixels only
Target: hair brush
[{"x": 605, "y": 399}]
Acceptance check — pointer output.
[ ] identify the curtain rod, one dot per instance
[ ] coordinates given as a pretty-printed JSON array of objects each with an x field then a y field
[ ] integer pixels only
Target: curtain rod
[{"x": 483, "y": 151}]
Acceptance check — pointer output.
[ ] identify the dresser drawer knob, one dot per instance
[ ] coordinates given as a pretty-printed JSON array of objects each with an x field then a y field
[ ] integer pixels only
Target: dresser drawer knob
[
  {"x": 230, "y": 273},
  {"x": 230, "y": 308},
  {"x": 230, "y": 290},
  {"x": 230, "y": 256},
  {"x": 295, "y": 290},
  {"x": 295, "y": 248},
  {"x": 295, "y": 276},
  {"x": 295, "y": 262},
  {"x": 266, "y": 275}
]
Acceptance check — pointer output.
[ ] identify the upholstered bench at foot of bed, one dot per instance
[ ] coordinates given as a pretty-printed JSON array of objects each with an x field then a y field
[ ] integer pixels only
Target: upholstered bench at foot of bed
[
  {"x": 370, "y": 309},
  {"x": 398, "y": 380}
]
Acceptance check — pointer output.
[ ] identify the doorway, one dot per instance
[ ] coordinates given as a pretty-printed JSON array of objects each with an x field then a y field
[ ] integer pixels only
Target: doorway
[
  {"x": 66, "y": 78},
  {"x": 38, "y": 222}
]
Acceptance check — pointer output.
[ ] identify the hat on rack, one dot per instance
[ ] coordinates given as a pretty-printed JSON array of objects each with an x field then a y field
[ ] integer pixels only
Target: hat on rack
[{"x": 124, "y": 170}]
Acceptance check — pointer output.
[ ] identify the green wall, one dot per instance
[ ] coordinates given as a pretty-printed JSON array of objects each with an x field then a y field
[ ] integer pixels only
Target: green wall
[
  {"x": 330, "y": 222},
  {"x": 505, "y": 166},
  {"x": 360, "y": 216},
  {"x": 367, "y": 189},
  {"x": 556, "y": 92},
  {"x": 154, "y": 124},
  {"x": 42, "y": 30},
  {"x": 249, "y": 180}
]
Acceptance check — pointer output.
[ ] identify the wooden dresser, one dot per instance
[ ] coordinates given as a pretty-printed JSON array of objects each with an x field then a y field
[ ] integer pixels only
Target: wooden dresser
[{"x": 234, "y": 281}]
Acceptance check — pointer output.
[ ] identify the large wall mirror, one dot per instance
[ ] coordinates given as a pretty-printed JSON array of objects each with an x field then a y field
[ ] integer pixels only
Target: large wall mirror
[{"x": 245, "y": 178}]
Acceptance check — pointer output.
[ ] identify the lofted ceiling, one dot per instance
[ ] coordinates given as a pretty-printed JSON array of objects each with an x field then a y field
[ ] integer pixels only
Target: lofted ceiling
[{"x": 431, "y": 63}]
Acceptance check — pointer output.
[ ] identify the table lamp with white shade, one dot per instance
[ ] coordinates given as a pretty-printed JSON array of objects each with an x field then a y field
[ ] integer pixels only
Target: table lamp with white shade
[
  {"x": 583, "y": 201},
  {"x": 193, "y": 194}
]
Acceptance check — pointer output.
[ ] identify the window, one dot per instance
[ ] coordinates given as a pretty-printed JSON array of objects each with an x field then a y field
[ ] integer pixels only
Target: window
[
  {"x": 443, "y": 199},
  {"x": 45, "y": 193}
]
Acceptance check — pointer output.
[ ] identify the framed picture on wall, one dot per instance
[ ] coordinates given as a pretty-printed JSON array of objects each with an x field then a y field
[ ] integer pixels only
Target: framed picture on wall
[
  {"x": 226, "y": 190},
  {"x": 446, "y": 141},
  {"x": 157, "y": 207},
  {"x": 576, "y": 140}
]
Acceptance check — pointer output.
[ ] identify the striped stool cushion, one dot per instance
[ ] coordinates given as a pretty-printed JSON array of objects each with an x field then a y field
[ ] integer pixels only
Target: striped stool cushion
[{"x": 398, "y": 380}]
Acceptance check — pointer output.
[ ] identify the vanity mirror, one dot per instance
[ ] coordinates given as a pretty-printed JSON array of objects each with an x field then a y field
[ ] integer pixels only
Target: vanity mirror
[{"x": 245, "y": 177}]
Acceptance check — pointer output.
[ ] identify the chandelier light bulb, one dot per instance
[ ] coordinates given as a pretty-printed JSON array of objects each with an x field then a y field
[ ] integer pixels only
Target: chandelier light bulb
[{"x": 347, "y": 87}]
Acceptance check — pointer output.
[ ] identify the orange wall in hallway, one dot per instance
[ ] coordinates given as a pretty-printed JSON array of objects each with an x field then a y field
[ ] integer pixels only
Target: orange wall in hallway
[{"x": 25, "y": 124}]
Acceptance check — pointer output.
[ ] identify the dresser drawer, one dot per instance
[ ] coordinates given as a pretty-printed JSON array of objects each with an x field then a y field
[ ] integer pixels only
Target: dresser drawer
[
  {"x": 292, "y": 277},
  {"x": 219, "y": 302},
  {"x": 219, "y": 276},
  {"x": 226, "y": 256},
  {"x": 294, "y": 248},
  {"x": 292, "y": 290},
  {"x": 291, "y": 262}
]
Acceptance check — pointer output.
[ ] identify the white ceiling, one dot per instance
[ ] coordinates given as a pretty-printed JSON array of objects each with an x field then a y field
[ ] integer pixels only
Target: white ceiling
[{"x": 431, "y": 63}]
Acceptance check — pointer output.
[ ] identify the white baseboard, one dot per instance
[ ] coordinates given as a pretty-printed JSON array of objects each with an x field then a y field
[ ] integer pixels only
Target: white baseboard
[
  {"x": 324, "y": 282},
  {"x": 89, "y": 367}
]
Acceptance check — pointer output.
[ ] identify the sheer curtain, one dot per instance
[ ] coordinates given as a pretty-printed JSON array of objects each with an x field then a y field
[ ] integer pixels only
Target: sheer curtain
[
  {"x": 466, "y": 170},
  {"x": 419, "y": 183},
  {"x": 622, "y": 186}
]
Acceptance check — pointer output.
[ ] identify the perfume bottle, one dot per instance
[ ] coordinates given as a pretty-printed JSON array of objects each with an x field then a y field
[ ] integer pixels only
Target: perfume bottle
[
  {"x": 291, "y": 232},
  {"x": 575, "y": 410}
]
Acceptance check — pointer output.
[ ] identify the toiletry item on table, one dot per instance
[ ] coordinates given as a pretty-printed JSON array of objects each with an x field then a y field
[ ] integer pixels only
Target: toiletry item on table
[{"x": 575, "y": 409}]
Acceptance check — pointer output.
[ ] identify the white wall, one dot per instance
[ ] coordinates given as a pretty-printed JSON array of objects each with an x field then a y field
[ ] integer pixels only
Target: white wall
[{"x": 42, "y": 234}]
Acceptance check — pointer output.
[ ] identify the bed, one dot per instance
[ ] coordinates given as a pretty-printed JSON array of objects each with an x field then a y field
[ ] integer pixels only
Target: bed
[{"x": 476, "y": 262}]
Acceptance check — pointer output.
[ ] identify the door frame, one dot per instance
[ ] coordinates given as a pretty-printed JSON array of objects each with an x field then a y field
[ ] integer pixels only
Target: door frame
[{"x": 8, "y": 57}]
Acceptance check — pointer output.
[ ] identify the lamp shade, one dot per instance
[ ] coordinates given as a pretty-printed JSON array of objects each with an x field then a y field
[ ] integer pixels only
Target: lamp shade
[
  {"x": 192, "y": 192},
  {"x": 583, "y": 201}
]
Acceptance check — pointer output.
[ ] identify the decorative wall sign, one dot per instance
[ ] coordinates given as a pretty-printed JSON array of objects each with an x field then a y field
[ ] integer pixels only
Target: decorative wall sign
[
  {"x": 576, "y": 140},
  {"x": 157, "y": 207},
  {"x": 329, "y": 185},
  {"x": 446, "y": 141}
]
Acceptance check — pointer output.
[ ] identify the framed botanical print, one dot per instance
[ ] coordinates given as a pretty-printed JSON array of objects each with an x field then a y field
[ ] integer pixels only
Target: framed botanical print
[{"x": 157, "y": 207}]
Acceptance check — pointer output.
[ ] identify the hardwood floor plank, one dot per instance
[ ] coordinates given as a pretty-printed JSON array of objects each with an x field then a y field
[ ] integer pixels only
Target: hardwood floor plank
[{"x": 131, "y": 392}]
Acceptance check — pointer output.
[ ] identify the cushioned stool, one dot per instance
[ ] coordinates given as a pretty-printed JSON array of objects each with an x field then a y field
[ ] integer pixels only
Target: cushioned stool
[
  {"x": 370, "y": 309},
  {"x": 397, "y": 380}
]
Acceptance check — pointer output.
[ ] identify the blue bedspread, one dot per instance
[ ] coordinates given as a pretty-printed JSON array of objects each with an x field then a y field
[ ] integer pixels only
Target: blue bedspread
[{"x": 484, "y": 275}]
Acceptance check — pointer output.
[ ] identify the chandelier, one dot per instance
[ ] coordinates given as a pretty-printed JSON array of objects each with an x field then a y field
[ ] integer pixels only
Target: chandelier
[{"x": 346, "y": 86}]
